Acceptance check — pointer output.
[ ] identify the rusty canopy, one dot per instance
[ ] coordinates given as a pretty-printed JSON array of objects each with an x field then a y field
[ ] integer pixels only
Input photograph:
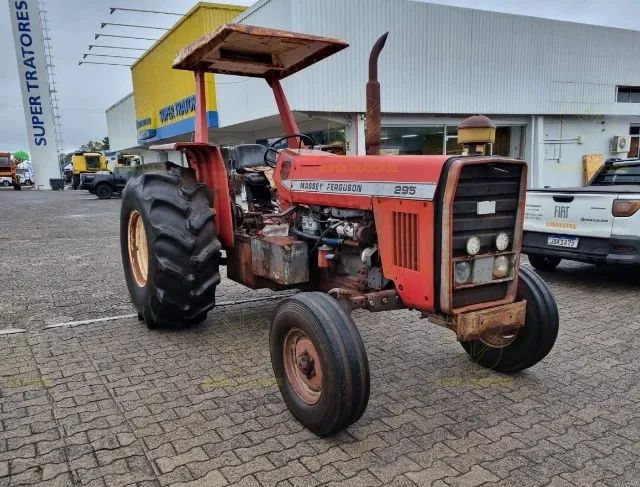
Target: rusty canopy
[{"x": 246, "y": 50}]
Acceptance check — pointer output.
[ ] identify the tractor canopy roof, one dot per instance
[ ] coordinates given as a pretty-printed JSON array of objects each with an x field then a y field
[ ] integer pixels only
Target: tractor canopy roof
[{"x": 247, "y": 50}]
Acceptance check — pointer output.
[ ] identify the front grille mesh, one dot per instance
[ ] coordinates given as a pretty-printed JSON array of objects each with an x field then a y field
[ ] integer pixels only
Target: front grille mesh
[
  {"x": 484, "y": 182},
  {"x": 405, "y": 240}
]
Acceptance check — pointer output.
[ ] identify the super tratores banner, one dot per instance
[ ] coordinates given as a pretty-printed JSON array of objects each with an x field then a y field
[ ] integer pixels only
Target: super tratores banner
[{"x": 34, "y": 83}]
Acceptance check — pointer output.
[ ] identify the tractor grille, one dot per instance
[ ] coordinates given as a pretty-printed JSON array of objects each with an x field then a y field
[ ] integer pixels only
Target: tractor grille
[
  {"x": 481, "y": 183},
  {"x": 405, "y": 240}
]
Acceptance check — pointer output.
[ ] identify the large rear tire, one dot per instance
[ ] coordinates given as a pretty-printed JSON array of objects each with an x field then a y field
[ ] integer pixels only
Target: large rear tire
[
  {"x": 320, "y": 362},
  {"x": 170, "y": 247},
  {"x": 532, "y": 342}
]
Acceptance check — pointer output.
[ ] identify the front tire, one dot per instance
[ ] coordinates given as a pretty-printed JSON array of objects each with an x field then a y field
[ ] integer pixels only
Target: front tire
[
  {"x": 320, "y": 362},
  {"x": 169, "y": 246},
  {"x": 542, "y": 263},
  {"x": 533, "y": 341},
  {"x": 104, "y": 192}
]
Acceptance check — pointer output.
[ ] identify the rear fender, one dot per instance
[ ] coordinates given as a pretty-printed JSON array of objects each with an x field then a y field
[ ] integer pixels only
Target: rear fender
[{"x": 206, "y": 160}]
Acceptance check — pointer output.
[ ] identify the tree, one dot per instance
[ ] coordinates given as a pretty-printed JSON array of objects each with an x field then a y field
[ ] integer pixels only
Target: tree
[
  {"x": 95, "y": 145},
  {"x": 21, "y": 156}
]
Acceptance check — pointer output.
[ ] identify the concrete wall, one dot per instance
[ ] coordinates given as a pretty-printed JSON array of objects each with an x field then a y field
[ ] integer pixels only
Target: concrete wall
[{"x": 566, "y": 139}]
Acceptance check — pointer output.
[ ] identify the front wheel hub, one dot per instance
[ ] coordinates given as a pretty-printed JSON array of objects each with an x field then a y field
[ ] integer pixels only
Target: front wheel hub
[
  {"x": 302, "y": 366},
  {"x": 305, "y": 364}
]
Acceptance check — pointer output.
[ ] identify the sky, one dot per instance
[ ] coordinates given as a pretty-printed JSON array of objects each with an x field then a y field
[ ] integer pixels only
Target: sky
[{"x": 86, "y": 91}]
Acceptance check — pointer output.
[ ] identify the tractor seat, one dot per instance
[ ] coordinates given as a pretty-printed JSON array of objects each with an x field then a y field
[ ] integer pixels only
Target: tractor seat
[
  {"x": 249, "y": 161},
  {"x": 255, "y": 178},
  {"x": 248, "y": 155}
]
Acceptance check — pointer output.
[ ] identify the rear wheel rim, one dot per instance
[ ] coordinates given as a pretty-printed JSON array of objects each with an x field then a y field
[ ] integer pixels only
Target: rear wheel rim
[
  {"x": 302, "y": 366},
  {"x": 138, "y": 250}
]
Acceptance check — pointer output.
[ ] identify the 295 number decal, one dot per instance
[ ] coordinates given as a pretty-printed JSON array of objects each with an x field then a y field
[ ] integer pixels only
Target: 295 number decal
[{"x": 403, "y": 189}]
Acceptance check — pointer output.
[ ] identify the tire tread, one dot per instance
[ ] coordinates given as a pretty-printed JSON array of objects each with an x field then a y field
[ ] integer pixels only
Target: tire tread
[{"x": 184, "y": 245}]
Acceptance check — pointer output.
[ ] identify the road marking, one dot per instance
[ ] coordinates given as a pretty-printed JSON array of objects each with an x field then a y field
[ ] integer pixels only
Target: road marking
[
  {"x": 254, "y": 300},
  {"x": 88, "y": 322},
  {"x": 135, "y": 315},
  {"x": 12, "y": 331}
]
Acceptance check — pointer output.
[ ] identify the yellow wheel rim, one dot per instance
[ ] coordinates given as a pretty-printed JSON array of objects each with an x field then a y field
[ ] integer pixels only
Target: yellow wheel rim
[{"x": 138, "y": 250}]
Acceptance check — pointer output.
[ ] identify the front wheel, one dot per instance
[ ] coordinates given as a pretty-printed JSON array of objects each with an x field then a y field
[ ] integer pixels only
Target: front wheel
[
  {"x": 319, "y": 362},
  {"x": 169, "y": 245},
  {"x": 104, "y": 191},
  {"x": 529, "y": 344},
  {"x": 543, "y": 263}
]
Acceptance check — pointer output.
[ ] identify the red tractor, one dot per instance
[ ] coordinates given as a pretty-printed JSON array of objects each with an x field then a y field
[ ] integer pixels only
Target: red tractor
[
  {"x": 438, "y": 234},
  {"x": 8, "y": 171}
]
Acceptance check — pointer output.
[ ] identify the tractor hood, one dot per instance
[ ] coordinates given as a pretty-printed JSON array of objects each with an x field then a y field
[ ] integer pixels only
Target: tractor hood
[{"x": 321, "y": 178}]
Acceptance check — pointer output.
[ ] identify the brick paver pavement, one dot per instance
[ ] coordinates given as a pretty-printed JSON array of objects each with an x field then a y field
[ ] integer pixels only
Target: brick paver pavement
[{"x": 112, "y": 403}]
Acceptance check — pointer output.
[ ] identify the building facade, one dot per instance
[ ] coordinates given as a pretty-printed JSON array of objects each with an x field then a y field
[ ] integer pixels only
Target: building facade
[{"x": 557, "y": 90}]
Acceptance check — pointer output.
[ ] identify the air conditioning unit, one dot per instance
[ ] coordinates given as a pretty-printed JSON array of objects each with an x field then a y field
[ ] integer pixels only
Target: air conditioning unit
[{"x": 620, "y": 143}]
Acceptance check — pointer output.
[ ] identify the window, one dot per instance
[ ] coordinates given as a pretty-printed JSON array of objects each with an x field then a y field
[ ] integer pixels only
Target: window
[
  {"x": 412, "y": 140},
  {"x": 453, "y": 148},
  {"x": 634, "y": 148},
  {"x": 628, "y": 94},
  {"x": 437, "y": 140},
  {"x": 618, "y": 174}
]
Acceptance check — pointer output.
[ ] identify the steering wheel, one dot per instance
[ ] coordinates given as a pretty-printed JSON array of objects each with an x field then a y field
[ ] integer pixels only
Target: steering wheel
[{"x": 272, "y": 162}]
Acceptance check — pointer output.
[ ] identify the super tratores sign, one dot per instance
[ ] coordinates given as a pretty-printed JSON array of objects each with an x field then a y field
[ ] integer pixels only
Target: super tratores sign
[{"x": 34, "y": 83}]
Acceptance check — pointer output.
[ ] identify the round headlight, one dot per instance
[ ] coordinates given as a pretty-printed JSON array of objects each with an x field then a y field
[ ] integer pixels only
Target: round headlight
[
  {"x": 502, "y": 241},
  {"x": 462, "y": 272},
  {"x": 473, "y": 245},
  {"x": 501, "y": 267}
]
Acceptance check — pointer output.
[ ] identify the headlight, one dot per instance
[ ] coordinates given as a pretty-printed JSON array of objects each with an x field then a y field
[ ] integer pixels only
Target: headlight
[
  {"x": 502, "y": 241},
  {"x": 462, "y": 272},
  {"x": 473, "y": 245},
  {"x": 501, "y": 267}
]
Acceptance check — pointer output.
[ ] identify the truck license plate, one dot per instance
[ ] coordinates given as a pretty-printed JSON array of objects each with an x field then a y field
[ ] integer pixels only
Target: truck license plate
[{"x": 563, "y": 241}]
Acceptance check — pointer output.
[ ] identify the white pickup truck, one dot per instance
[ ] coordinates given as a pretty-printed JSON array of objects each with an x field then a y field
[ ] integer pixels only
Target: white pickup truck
[{"x": 598, "y": 223}]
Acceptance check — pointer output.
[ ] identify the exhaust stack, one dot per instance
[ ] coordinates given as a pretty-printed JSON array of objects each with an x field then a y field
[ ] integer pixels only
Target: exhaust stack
[{"x": 374, "y": 116}]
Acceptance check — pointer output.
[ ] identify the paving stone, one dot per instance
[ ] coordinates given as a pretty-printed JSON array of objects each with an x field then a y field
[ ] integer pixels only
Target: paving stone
[
  {"x": 259, "y": 464},
  {"x": 167, "y": 464},
  {"x": 212, "y": 479},
  {"x": 438, "y": 470},
  {"x": 475, "y": 476}
]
